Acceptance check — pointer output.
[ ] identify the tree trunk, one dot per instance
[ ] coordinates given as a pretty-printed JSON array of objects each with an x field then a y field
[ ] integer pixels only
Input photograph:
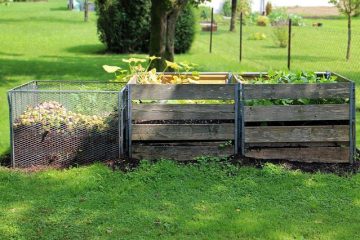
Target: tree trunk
[
  {"x": 86, "y": 10},
  {"x": 158, "y": 33},
  {"x": 162, "y": 35},
  {"x": 233, "y": 15},
  {"x": 349, "y": 38}
]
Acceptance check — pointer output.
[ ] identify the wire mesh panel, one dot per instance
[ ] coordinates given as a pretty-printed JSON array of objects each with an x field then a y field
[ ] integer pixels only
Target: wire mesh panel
[{"x": 62, "y": 123}]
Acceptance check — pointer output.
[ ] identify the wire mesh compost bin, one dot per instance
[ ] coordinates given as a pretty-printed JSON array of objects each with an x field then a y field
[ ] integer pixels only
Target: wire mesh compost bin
[{"x": 64, "y": 123}]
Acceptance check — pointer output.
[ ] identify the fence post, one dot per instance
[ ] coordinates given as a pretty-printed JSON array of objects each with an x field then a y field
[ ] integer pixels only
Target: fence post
[
  {"x": 289, "y": 44},
  {"x": 211, "y": 28},
  {"x": 12, "y": 155},
  {"x": 241, "y": 35}
]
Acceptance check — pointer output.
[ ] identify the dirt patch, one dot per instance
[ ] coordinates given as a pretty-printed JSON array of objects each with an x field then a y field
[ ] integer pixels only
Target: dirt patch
[{"x": 315, "y": 12}]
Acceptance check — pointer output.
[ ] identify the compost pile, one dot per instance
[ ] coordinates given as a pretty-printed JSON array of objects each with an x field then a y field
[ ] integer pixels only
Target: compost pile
[{"x": 49, "y": 134}]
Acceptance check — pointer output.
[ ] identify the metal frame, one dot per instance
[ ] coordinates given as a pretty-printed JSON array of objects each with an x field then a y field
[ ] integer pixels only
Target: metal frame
[
  {"x": 129, "y": 121},
  {"x": 239, "y": 120},
  {"x": 12, "y": 153},
  {"x": 352, "y": 123}
]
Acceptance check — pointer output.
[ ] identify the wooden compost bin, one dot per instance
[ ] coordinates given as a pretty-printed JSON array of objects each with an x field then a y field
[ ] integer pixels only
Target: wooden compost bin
[
  {"x": 164, "y": 127},
  {"x": 305, "y": 133}
]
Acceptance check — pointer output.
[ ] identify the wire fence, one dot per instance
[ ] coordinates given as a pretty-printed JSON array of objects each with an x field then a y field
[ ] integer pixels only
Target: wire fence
[
  {"x": 64, "y": 123},
  {"x": 319, "y": 45}
]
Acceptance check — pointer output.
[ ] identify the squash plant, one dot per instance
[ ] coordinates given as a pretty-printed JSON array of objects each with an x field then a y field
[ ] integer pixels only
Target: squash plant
[{"x": 139, "y": 69}]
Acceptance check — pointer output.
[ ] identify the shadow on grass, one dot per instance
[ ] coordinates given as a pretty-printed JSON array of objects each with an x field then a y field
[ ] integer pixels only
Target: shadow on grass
[
  {"x": 98, "y": 49},
  {"x": 178, "y": 202}
]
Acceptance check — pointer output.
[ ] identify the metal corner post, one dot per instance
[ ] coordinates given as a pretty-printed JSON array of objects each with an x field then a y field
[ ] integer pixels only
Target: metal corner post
[
  {"x": 242, "y": 119},
  {"x": 12, "y": 153},
  {"x": 239, "y": 120},
  {"x": 121, "y": 123},
  {"x": 129, "y": 121},
  {"x": 352, "y": 123}
]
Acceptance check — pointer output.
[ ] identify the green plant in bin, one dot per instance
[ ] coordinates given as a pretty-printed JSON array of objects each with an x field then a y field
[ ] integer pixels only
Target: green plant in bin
[
  {"x": 139, "y": 69},
  {"x": 285, "y": 77}
]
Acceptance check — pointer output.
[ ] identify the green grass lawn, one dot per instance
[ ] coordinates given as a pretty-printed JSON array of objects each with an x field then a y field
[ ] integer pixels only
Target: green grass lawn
[
  {"x": 168, "y": 201},
  {"x": 164, "y": 200},
  {"x": 45, "y": 41}
]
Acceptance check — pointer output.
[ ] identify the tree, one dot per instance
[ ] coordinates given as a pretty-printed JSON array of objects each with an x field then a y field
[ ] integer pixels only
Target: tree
[
  {"x": 233, "y": 15},
  {"x": 164, "y": 14},
  {"x": 349, "y": 8}
]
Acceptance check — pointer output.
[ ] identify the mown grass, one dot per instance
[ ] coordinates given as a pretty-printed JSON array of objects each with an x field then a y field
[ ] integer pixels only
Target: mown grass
[
  {"x": 45, "y": 41},
  {"x": 168, "y": 201}
]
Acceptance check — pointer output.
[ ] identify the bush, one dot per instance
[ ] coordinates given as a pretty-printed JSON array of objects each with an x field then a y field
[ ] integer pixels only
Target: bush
[
  {"x": 185, "y": 30},
  {"x": 124, "y": 26},
  {"x": 280, "y": 17},
  {"x": 257, "y": 36},
  {"x": 226, "y": 9},
  {"x": 281, "y": 36},
  {"x": 262, "y": 21}
]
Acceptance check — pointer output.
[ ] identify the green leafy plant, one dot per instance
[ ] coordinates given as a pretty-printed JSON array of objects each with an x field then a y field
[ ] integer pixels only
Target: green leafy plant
[
  {"x": 268, "y": 8},
  {"x": 285, "y": 77},
  {"x": 226, "y": 9},
  {"x": 139, "y": 70},
  {"x": 280, "y": 36}
]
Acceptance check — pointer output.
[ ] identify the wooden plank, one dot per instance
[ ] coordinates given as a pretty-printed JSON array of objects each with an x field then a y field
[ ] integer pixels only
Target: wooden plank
[
  {"x": 183, "y": 112},
  {"x": 312, "y": 154},
  {"x": 180, "y": 152},
  {"x": 330, "y": 133},
  {"x": 178, "y": 132},
  {"x": 182, "y": 91},
  {"x": 297, "y": 113},
  {"x": 203, "y": 77},
  {"x": 294, "y": 91},
  {"x": 297, "y": 144}
]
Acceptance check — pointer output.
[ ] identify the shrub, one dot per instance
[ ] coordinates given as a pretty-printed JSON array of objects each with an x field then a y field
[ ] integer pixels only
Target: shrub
[
  {"x": 268, "y": 8},
  {"x": 185, "y": 30},
  {"x": 124, "y": 26},
  {"x": 263, "y": 21},
  {"x": 280, "y": 17},
  {"x": 226, "y": 9},
  {"x": 257, "y": 36},
  {"x": 281, "y": 36}
]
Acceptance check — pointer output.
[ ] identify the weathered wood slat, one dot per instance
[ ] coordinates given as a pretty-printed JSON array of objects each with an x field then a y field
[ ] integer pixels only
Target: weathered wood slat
[
  {"x": 294, "y": 91},
  {"x": 189, "y": 132},
  {"x": 182, "y": 91},
  {"x": 297, "y": 144},
  {"x": 312, "y": 154},
  {"x": 330, "y": 133},
  {"x": 203, "y": 77},
  {"x": 297, "y": 113},
  {"x": 182, "y": 111},
  {"x": 180, "y": 152}
]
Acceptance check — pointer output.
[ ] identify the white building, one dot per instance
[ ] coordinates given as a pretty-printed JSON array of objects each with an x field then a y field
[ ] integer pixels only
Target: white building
[{"x": 259, "y": 5}]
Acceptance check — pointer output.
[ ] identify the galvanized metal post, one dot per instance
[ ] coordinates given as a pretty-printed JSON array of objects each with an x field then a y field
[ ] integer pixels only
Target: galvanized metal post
[
  {"x": 352, "y": 123},
  {"x": 239, "y": 120},
  {"x": 237, "y": 125},
  {"x": 12, "y": 153},
  {"x": 242, "y": 119},
  {"x": 120, "y": 123},
  {"x": 129, "y": 121}
]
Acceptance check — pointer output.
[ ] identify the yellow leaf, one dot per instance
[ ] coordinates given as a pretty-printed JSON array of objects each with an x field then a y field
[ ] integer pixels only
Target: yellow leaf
[{"x": 111, "y": 69}]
